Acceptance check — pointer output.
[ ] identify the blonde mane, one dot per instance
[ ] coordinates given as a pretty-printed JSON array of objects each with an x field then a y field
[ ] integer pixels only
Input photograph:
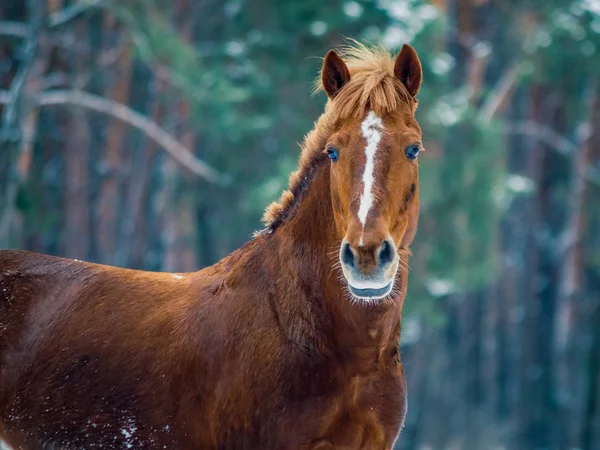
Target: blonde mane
[{"x": 373, "y": 86}]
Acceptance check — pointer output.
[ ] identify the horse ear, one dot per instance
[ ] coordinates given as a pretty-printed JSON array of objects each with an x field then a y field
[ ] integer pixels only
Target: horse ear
[
  {"x": 334, "y": 74},
  {"x": 408, "y": 69}
]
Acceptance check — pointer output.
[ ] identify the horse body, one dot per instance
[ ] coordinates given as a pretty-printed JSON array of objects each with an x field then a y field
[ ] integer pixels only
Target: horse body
[
  {"x": 267, "y": 349},
  {"x": 96, "y": 356}
]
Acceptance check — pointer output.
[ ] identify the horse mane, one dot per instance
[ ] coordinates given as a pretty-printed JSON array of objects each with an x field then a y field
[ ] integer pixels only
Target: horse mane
[{"x": 372, "y": 85}]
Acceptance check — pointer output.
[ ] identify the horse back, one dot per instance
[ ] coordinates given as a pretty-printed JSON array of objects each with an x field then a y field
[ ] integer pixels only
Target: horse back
[
  {"x": 70, "y": 328},
  {"x": 25, "y": 280}
]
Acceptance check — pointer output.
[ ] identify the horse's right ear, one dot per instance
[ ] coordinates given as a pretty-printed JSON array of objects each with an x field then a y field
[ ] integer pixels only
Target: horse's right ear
[{"x": 334, "y": 74}]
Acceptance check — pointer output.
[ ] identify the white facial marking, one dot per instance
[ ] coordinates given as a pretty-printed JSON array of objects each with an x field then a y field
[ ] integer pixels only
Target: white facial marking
[
  {"x": 372, "y": 129},
  {"x": 177, "y": 277}
]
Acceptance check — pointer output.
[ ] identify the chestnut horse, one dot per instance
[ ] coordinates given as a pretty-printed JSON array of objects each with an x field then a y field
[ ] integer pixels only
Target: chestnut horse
[{"x": 290, "y": 342}]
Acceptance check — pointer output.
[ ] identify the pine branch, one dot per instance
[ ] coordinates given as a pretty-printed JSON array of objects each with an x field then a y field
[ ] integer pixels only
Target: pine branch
[
  {"x": 69, "y": 13},
  {"x": 12, "y": 28},
  {"x": 503, "y": 89},
  {"x": 136, "y": 120},
  {"x": 545, "y": 134},
  {"x": 555, "y": 141}
]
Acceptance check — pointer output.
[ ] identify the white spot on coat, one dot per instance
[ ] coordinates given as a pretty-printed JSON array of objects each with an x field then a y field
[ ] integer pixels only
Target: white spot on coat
[{"x": 128, "y": 431}]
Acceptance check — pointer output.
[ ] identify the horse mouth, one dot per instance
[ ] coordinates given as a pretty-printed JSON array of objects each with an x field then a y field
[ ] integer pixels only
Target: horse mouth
[{"x": 371, "y": 293}]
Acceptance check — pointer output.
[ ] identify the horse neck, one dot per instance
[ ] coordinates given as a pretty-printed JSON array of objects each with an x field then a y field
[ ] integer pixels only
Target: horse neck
[{"x": 308, "y": 246}]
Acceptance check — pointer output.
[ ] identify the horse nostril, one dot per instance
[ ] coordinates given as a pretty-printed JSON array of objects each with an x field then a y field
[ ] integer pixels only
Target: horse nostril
[
  {"x": 386, "y": 253},
  {"x": 347, "y": 255}
]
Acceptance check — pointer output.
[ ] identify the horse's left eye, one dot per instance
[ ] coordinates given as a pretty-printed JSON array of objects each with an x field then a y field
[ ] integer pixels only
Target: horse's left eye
[
  {"x": 413, "y": 151},
  {"x": 333, "y": 153}
]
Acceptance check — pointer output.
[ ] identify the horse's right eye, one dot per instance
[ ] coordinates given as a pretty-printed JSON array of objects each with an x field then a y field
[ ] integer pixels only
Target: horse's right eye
[{"x": 332, "y": 152}]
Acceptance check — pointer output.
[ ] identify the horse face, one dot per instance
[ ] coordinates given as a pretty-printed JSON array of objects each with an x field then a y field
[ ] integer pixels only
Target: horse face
[{"x": 374, "y": 183}]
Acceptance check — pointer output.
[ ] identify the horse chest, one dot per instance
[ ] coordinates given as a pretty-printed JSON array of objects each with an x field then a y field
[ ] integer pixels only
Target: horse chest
[
  {"x": 361, "y": 412},
  {"x": 368, "y": 413}
]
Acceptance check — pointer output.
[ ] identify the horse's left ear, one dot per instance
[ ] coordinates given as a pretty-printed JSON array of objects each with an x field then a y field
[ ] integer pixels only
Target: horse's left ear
[
  {"x": 334, "y": 74},
  {"x": 408, "y": 69}
]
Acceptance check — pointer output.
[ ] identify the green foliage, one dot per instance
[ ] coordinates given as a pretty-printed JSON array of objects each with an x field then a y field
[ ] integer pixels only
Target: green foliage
[{"x": 488, "y": 316}]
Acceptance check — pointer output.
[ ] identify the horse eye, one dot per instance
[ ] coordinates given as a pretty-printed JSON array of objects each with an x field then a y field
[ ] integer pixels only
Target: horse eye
[
  {"x": 412, "y": 151},
  {"x": 333, "y": 153}
]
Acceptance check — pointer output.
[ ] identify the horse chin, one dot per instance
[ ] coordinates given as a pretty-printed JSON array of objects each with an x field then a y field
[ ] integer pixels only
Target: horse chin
[
  {"x": 371, "y": 289},
  {"x": 371, "y": 293}
]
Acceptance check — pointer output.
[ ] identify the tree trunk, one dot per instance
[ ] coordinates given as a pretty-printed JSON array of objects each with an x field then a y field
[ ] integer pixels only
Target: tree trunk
[
  {"x": 574, "y": 330},
  {"x": 19, "y": 118},
  {"x": 113, "y": 165}
]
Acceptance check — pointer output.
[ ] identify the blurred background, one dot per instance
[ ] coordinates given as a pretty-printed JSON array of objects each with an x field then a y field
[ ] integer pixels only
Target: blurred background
[{"x": 151, "y": 134}]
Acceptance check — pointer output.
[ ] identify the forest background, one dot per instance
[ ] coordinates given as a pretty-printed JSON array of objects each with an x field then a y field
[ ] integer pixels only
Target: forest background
[{"x": 151, "y": 134}]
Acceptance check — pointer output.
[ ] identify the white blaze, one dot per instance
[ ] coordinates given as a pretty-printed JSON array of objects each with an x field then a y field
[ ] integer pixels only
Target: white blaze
[{"x": 372, "y": 129}]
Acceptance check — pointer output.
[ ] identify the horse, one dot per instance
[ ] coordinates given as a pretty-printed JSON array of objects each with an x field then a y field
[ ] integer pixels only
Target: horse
[{"x": 290, "y": 342}]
